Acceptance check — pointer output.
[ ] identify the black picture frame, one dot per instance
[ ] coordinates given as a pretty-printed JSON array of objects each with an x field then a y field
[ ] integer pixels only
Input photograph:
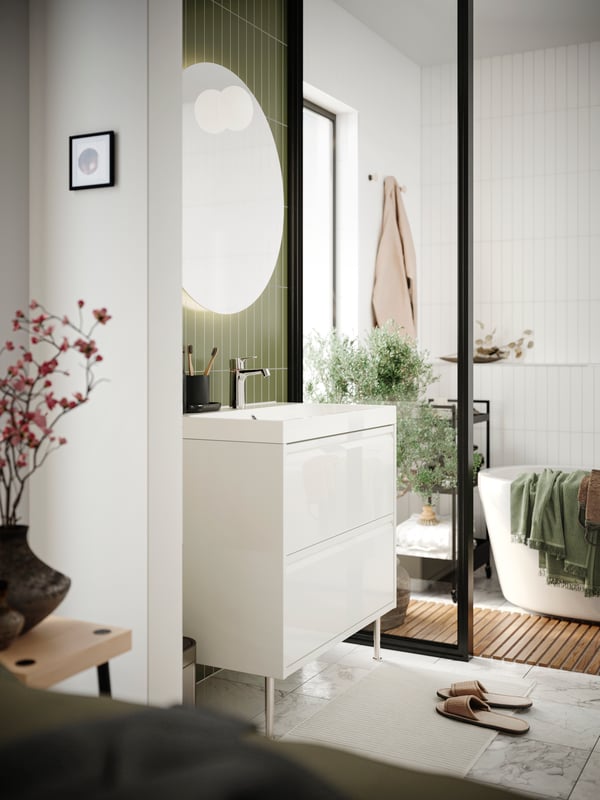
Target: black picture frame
[{"x": 92, "y": 160}]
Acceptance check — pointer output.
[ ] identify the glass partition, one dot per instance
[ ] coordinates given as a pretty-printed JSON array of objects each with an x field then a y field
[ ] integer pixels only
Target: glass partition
[{"x": 395, "y": 68}]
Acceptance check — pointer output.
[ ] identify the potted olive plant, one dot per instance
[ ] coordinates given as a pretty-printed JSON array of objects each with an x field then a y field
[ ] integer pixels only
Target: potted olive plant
[{"x": 426, "y": 455}]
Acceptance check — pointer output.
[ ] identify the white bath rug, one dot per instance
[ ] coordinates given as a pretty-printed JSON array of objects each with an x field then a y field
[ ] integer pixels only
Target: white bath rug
[{"x": 390, "y": 715}]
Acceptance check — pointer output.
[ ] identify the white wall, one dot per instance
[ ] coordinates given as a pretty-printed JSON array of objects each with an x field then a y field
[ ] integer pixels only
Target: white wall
[
  {"x": 438, "y": 254},
  {"x": 106, "y": 509},
  {"x": 536, "y": 246},
  {"x": 350, "y": 63},
  {"x": 163, "y": 322}
]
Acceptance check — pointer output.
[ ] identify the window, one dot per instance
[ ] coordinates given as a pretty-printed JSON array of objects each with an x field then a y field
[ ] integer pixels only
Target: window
[{"x": 318, "y": 220}]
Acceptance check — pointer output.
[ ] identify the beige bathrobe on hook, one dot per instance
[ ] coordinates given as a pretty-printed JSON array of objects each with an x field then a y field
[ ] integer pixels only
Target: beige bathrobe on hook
[{"x": 394, "y": 289}]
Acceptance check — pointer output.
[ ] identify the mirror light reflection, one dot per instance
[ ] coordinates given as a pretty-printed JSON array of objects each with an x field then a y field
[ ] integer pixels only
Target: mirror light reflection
[
  {"x": 230, "y": 109},
  {"x": 232, "y": 191}
]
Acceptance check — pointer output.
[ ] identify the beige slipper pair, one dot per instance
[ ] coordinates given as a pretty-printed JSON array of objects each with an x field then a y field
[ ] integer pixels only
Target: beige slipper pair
[{"x": 469, "y": 701}]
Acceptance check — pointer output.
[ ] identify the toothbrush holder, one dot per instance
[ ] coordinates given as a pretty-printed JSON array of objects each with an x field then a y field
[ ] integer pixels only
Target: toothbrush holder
[{"x": 197, "y": 391}]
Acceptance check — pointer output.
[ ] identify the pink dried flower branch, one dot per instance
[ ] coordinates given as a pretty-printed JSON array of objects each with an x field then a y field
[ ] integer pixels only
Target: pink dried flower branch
[{"x": 29, "y": 407}]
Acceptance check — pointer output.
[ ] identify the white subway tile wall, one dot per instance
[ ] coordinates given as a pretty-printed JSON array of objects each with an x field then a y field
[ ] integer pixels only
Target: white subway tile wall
[{"x": 536, "y": 245}]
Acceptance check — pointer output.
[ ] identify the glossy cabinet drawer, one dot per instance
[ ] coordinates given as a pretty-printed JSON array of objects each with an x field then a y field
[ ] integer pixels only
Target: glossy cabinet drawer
[
  {"x": 336, "y": 484},
  {"x": 334, "y": 586}
]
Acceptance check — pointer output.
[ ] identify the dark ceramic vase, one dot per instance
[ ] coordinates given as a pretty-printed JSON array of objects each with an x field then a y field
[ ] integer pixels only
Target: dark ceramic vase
[
  {"x": 34, "y": 588},
  {"x": 11, "y": 621}
]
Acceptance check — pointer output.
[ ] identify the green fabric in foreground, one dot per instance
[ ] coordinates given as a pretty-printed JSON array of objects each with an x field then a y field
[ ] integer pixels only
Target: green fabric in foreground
[
  {"x": 545, "y": 516},
  {"x": 172, "y": 751}
]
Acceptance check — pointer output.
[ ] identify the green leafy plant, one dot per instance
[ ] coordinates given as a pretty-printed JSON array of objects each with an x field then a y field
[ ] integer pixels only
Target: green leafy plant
[
  {"x": 387, "y": 367},
  {"x": 384, "y": 366}
]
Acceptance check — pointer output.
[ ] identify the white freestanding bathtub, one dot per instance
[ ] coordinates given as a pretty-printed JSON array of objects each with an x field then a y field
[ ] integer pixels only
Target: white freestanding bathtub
[{"x": 516, "y": 564}]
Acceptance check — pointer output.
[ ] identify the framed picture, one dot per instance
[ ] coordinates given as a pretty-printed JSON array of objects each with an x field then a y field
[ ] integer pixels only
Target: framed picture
[{"x": 92, "y": 160}]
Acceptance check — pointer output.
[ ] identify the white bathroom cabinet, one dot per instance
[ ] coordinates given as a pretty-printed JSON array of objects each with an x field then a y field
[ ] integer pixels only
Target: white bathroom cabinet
[{"x": 289, "y": 531}]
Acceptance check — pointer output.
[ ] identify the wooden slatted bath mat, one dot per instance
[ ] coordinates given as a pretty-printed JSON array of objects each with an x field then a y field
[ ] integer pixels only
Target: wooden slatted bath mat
[{"x": 510, "y": 636}]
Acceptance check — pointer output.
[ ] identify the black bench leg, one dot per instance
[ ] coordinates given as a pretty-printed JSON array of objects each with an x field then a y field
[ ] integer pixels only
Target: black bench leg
[{"x": 103, "y": 679}]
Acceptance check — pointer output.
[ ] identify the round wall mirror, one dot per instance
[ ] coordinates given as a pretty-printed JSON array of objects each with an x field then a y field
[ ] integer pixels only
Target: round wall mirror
[{"x": 232, "y": 191}]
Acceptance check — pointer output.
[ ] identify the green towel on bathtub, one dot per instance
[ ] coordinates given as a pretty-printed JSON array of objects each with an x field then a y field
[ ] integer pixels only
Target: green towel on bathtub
[
  {"x": 545, "y": 516},
  {"x": 522, "y": 499}
]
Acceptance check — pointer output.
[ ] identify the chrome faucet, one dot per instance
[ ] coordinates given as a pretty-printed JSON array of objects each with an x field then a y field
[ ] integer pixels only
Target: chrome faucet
[{"x": 238, "y": 373}]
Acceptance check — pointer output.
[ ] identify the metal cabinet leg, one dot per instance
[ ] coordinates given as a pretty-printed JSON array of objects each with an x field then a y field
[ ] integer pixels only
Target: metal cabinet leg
[
  {"x": 269, "y": 706},
  {"x": 377, "y": 640}
]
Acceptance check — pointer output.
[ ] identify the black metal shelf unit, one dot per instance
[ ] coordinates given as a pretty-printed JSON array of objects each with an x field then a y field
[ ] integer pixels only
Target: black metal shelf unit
[
  {"x": 481, "y": 552},
  {"x": 481, "y": 546}
]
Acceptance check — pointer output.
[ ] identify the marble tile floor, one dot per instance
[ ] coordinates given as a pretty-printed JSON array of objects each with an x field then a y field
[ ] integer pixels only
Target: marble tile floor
[{"x": 558, "y": 758}]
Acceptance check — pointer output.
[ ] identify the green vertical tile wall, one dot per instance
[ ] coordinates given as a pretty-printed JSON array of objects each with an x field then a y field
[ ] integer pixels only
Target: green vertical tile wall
[{"x": 249, "y": 38}]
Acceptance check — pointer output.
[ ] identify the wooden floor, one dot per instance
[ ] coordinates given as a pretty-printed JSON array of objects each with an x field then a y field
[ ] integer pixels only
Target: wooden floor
[{"x": 510, "y": 636}]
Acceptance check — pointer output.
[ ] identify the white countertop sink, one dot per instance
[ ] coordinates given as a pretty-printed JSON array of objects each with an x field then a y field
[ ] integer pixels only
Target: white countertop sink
[{"x": 285, "y": 422}]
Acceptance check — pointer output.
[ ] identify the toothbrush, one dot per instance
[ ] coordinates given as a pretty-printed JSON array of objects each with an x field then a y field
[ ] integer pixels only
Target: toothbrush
[
  {"x": 211, "y": 361},
  {"x": 190, "y": 362}
]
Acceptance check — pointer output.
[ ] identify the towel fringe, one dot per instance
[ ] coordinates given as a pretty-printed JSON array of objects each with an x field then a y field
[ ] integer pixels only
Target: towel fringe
[
  {"x": 577, "y": 570},
  {"x": 543, "y": 547},
  {"x": 562, "y": 584},
  {"x": 518, "y": 538}
]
